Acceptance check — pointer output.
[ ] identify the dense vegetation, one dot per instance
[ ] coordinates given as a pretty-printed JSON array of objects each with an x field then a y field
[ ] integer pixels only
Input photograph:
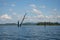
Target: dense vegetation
[{"x": 48, "y": 23}]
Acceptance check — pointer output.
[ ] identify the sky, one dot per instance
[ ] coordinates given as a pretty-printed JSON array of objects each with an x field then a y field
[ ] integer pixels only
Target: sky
[{"x": 37, "y": 11}]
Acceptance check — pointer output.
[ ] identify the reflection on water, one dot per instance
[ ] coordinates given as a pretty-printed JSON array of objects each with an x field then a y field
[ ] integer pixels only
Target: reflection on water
[{"x": 30, "y": 32}]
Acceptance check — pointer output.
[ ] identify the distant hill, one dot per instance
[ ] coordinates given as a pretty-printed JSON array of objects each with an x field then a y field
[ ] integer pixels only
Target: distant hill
[
  {"x": 9, "y": 24},
  {"x": 29, "y": 23}
]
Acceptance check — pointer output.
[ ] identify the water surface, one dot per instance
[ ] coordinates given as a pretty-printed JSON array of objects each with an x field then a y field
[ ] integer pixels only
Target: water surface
[{"x": 29, "y": 32}]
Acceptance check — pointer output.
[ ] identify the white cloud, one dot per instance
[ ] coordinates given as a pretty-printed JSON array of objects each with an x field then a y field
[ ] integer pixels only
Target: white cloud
[
  {"x": 10, "y": 9},
  {"x": 14, "y": 13},
  {"x": 40, "y": 16},
  {"x": 54, "y": 12},
  {"x": 58, "y": 17},
  {"x": 33, "y": 5},
  {"x": 5, "y": 16},
  {"x": 55, "y": 9},
  {"x": 36, "y": 11},
  {"x": 13, "y": 5},
  {"x": 42, "y": 6}
]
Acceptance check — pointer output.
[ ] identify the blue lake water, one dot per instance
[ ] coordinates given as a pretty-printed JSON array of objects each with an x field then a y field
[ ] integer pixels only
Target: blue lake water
[{"x": 29, "y": 32}]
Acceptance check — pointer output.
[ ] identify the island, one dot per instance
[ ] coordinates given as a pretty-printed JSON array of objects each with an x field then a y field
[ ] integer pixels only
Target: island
[{"x": 48, "y": 23}]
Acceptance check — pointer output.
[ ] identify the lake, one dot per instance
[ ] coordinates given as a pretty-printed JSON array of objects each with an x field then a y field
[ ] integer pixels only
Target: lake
[{"x": 29, "y": 32}]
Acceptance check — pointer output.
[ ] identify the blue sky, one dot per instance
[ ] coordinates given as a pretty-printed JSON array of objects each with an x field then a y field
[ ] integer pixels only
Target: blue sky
[{"x": 37, "y": 10}]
